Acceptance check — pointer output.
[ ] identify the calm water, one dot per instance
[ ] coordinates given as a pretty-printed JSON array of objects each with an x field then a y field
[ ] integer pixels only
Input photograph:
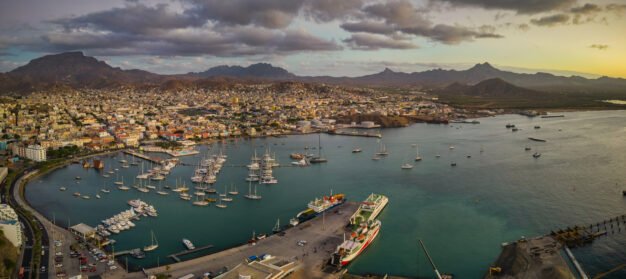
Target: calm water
[{"x": 462, "y": 213}]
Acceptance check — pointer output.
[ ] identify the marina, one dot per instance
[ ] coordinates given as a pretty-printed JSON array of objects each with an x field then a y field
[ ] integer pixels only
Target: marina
[{"x": 481, "y": 195}]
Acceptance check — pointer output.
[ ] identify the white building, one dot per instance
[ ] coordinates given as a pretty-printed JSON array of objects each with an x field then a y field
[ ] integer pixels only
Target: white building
[
  {"x": 7, "y": 212},
  {"x": 12, "y": 231},
  {"x": 36, "y": 153}
]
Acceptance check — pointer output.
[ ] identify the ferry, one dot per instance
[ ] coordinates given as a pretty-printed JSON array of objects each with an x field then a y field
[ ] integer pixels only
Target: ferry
[
  {"x": 188, "y": 244},
  {"x": 319, "y": 206},
  {"x": 360, "y": 238},
  {"x": 369, "y": 209}
]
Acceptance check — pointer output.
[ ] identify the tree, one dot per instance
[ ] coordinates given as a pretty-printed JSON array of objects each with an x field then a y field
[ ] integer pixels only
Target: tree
[{"x": 168, "y": 268}]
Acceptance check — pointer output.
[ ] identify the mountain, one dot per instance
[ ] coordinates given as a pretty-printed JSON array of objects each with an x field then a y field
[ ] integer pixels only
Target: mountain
[
  {"x": 490, "y": 88},
  {"x": 76, "y": 70},
  {"x": 259, "y": 70}
]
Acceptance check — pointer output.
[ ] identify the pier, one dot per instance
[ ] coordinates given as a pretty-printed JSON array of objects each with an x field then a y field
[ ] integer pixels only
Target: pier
[
  {"x": 145, "y": 157},
  {"x": 355, "y": 134},
  {"x": 175, "y": 256},
  {"x": 322, "y": 233}
]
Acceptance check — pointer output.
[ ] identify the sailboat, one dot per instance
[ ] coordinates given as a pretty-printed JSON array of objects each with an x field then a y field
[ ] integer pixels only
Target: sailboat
[
  {"x": 233, "y": 191},
  {"x": 319, "y": 158},
  {"x": 383, "y": 150},
  {"x": 161, "y": 192},
  {"x": 406, "y": 165},
  {"x": 220, "y": 204},
  {"x": 133, "y": 163},
  {"x": 97, "y": 196},
  {"x": 141, "y": 188},
  {"x": 154, "y": 243},
  {"x": 225, "y": 197},
  {"x": 122, "y": 187},
  {"x": 417, "y": 153},
  {"x": 119, "y": 182},
  {"x": 198, "y": 202},
  {"x": 105, "y": 190},
  {"x": 276, "y": 228},
  {"x": 250, "y": 195}
]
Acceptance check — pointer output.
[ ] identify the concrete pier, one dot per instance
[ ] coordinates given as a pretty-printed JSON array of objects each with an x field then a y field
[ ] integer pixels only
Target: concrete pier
[{"x": 322, "y": 233}]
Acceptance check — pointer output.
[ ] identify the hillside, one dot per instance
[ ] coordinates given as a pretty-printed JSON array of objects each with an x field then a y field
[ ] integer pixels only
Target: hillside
[{"x": 259, "y": 70}]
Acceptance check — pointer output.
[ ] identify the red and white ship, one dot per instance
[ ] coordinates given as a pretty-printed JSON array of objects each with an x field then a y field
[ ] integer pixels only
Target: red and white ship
[{"x": 359, "y": 240}]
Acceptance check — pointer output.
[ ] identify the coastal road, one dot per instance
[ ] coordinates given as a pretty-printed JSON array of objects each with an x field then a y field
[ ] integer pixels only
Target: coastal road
[{"x": 322, "y": 233}]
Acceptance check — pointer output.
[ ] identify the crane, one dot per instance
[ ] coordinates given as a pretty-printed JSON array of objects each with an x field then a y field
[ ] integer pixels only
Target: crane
[{"x": 431, "y": 260}]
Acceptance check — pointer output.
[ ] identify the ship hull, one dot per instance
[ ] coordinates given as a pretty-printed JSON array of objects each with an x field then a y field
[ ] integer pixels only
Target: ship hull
[
  {"x": 350, "y": 258},
  {"x": 308, "y": 217}
]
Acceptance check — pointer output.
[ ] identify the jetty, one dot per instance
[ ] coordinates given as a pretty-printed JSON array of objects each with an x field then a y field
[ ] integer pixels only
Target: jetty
[
  {"x": 322, "y": 234},
  {"x": 175, "y": 256},
  {"x": 145, "y": 157},
  {"x": 355, "y": 134}
]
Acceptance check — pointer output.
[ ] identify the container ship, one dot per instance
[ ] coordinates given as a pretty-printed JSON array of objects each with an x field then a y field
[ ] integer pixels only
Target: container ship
[{"x": 319, "y": 206}]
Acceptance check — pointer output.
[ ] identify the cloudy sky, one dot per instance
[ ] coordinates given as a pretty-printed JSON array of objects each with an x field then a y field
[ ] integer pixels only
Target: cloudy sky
[{"x": 323, "y": 37}]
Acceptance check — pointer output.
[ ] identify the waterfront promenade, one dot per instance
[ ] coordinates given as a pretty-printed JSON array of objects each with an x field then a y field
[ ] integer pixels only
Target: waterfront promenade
[{"x": 323, "y": 234}]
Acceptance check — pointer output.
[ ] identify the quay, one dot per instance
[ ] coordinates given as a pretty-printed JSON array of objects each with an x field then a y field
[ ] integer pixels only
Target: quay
[
  {"x": 177, "y": 153},
  {"x": 355, "y": 134},
  {"x": 322, "y": 233},
  {"x": 175, "y": 256},
  {"x": 145, "y": 157}
]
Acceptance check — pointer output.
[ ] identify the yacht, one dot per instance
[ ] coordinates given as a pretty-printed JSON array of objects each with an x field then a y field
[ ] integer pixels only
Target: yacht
[
  {"x": 123, "y": 188},
  {"x": 407, "y": 166},
  {"x": 97, "y": 196},
  {"x": 188, "y": 244},
  {"x": 62, "y": 189},
  {"x": 154, "y": 243},
  {"x": 319, "y": 158},
  {"x": 417, "y": 153},
  {"x": 233, "y": 191},
  {"x": 356, "y": 150},
  {"x": 383, "y": 150},
  {"x": 250, "y": 195},
  {"x": 185, "y": 196},
  {"x": 451, "y": 147},
  {"x": 437, "y": 156}
]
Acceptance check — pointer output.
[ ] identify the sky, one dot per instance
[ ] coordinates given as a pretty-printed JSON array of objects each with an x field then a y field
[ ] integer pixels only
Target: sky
[{"x": 323, "y": 37}]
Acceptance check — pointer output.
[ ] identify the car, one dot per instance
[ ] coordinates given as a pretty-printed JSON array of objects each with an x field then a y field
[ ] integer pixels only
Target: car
[
  {"x": 43, "y": 268},
  {"x": 61, "y": 273},
  {"x": 112, "y": 267},
  {"x": 111, "y": 262},
  {"x": 58, "y": 243},
  {"x": 92, "y": 264},
  {"x": 58, "y": 253},
  {"x": 58, "y": 265},
  {"x": 84, "y": 268},
  {"x": 93, "y": 269}
]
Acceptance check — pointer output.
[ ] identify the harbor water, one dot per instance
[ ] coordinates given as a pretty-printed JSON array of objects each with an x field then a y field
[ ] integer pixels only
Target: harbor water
[{"x": 462, "y": 213}]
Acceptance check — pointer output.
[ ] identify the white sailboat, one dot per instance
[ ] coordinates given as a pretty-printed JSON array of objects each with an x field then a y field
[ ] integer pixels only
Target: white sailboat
[
  {"x": 154, "y": 243},
  {"x": 233, "y": 191},
  {"x": 225, "y": 197},
  {"x": 161, "y": 192},
  {"x": 417, "y": 153},
  {"x": 220, "y": 204},
  {"x": 250, "y": 195},
  {"x": 119, "y": 182},
  {"x": 383, "y": 150},
  {"x": 105, "y": 190}
]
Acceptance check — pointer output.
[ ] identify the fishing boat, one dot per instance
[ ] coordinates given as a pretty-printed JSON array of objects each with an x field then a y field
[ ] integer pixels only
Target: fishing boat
[
  {"x": 188, "y": 244},
  {"x": 250, "y": 195},
  {"x": 233, "y": 190},
  {"x": 514, "y": 130},
  {"x": 356, "y": 150},
  {"x": 319, "y": 158},
  {"x": 154, "y": 243},
  {"x": 468, "y": 156},
  {"x": 417, "y": 153},
  {"x": 537, "y": 127},
  {"x": 62, "y": 189},
  {"x": 510, "y": 125}
]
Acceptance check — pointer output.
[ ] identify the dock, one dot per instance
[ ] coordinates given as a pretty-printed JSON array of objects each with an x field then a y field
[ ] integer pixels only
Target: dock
[
  {"x": 145, "y": 157},
  {"x": 355, "y": 134},
  {"x": 175, "y": 256},
  {"x": 322, "y": 233},
  {"x": 121, "y": 253}
]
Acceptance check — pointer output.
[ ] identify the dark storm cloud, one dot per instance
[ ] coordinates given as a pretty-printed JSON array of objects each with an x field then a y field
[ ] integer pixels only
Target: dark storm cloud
[
  {"x": 369, "y": 27},
  {"x": 400, "y": 16},
  {"x": 520, "y": 6},
  {"x": 133, "y": 18},
  {"x": 374, "y": 42},
  {"x": 551, "y": 20},
  {"x": 266, "y": 13},
  {"x": 599, "y": 47},
  {"x": 586, "y": 9}
]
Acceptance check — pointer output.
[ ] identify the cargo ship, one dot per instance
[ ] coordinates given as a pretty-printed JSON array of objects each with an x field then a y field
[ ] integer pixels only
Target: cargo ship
[
  {"x": 360, "y": 238},
  {"x": 319, "y": 206},
  {"x": 369, "y": 209}
]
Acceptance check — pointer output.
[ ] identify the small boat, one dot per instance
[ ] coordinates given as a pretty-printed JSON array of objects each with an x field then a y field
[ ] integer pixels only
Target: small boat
[
  {"x": 537, "y": 127},
  {"x": 106, "y": 176},
  {"x": 250, "y": 195},
  {"x": 86, "y": 197},
  {"x": 166, "y": 187},
  {"x": 76, "y": 194},
  {"x": 188, "y": 244},
  {"x": 417, "y": 153},
  {"x": 356, "y": 150},
  {"x": 125, "y": 166},
  {"x": 383, "y": 150},
  {"x": 510, "y": 125},
  {"x": 453, "y": 164},
  {"x": 62, "y": 189},
  {"x": 515, "y": 129},
  {"x": 121, "y": 182},
  {"x": 143, "y": 189},
  {"x": 220, "y": 204},
  {"x": 185, "y": 196},
  {"x": 407, "y": 166},
  {"x": 151, "y": 187},
  {"x": 110, "y": 172},
  {"x": 527, "y": 148},
  {"x": 233, "y": 191},
  {"x": 537, "y": 155},
  {"x": 97, "y": 196},
  {"x": 261, "y": 236},
  {"x": 294, "y": 222},
  {"x": 469, "y": 156},
  {"x": 376, "y": 158},
  {"x": 276, "y": 228},
  {"x": 319, "y": 158},
  {"x": 451, "y": 147},
  {"x": 161, "y": 192},
  {"x": 78, "y": 178},
  {"x": 437, "y": 156},
  {"x": 154, "y": 243},
  {"x": 123, "y": 188}
]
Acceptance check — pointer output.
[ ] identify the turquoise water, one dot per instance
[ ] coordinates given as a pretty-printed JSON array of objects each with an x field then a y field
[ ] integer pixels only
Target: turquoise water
[{"x": 462, "y": 213}]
